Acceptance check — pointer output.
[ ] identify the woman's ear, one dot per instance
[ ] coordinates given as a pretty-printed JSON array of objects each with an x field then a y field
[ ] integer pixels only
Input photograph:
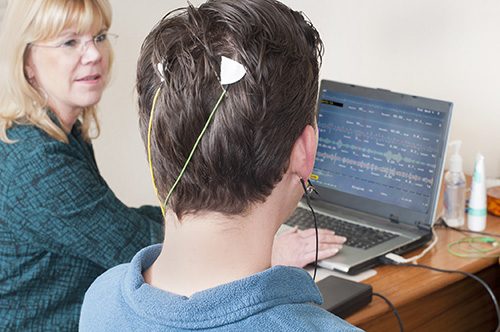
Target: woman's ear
[
  {"x": 29, "y": 70},
  {"x": 304, "y": 153}
]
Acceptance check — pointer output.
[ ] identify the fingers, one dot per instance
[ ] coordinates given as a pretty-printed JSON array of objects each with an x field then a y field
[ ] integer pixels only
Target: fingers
[
  {"x": 312, "y": 232},
  {"x": 298, "y": 248},
  {"x": 322, "y": 254},
  {"x": 324, "y": 235},
  {"x": 326, "y": 246},
  {"x": 322, "y": 246}
]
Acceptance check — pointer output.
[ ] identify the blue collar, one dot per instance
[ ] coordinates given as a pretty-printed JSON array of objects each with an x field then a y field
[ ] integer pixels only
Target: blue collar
[{"x": 216, "y": 306}]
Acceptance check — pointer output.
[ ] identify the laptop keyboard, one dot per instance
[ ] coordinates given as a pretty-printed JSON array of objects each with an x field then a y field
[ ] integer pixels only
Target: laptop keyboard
[{"x": 357, "y": 236}]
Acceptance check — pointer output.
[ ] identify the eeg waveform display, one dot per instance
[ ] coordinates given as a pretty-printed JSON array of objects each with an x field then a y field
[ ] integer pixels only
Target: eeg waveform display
[{"x": 377, "y": 150}]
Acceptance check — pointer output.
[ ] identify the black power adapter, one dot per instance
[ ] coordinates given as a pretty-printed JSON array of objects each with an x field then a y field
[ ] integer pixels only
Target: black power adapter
[{"x": 343, "y": 297}]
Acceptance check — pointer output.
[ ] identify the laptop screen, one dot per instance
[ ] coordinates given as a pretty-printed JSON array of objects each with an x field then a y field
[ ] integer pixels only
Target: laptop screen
[{"x": 382, "y": 147}]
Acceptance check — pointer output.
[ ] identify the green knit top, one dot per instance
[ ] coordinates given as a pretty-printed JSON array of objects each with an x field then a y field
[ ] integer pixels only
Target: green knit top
[{"x": 61, "y": 226}]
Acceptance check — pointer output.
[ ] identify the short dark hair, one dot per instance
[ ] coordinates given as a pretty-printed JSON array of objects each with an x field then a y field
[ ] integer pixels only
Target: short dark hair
[{"x": 247, "y": 147}]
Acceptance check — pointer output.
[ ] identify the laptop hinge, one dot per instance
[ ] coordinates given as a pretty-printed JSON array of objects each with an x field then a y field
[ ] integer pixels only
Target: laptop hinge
[
  {"x": 394, "y": 219},
  {"x": 422, "y": 226}
]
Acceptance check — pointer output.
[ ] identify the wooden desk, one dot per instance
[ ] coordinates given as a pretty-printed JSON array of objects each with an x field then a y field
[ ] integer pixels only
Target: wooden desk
[{"x": 433, "y": 301}]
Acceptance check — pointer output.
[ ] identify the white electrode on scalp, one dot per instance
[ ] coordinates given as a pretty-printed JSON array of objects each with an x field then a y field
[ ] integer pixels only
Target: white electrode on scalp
[{"x": 476, "y": 214}]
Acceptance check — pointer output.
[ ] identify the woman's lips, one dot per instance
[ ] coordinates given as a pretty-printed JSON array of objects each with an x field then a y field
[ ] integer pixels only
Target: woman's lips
[{"x": 89, "y": 78}]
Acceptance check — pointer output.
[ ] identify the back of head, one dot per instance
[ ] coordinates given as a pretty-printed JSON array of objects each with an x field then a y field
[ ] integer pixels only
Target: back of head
[
  {"x": 246, "y": 149},
  {"x": 29, "y": 21}
]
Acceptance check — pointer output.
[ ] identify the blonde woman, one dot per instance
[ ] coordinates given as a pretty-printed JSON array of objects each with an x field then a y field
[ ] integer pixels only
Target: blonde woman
[{"x": 61, "y": 226}]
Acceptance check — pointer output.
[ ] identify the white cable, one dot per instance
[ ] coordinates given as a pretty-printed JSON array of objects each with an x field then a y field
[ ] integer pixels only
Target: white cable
[{"x": 400, "y": 259}]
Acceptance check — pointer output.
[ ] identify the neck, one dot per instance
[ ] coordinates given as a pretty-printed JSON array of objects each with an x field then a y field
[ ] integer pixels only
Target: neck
[
  {"x": 208, "y": 249},
  {"x": 67, "y": 118}
]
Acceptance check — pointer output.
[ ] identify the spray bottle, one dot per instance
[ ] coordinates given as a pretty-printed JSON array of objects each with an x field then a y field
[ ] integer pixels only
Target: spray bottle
[
  {"x": 454, "y": 190},
  {"x": 476, "y": 215}
]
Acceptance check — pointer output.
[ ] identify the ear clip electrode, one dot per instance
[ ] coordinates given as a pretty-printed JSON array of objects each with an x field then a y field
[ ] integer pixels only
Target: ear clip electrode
[
  {"x": 310, "y": 188},
  {"x": 230, "y": 72},
  {"x": 308, "y": 191}
]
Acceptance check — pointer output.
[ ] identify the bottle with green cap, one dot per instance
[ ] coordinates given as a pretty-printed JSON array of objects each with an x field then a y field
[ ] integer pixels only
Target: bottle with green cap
[{"x": 454, "y": 188}]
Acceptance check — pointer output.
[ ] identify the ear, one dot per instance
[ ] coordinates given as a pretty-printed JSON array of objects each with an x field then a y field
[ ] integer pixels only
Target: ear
[
  {"x": 304, "y": 153},
  {"x": 29, "y": 68}
]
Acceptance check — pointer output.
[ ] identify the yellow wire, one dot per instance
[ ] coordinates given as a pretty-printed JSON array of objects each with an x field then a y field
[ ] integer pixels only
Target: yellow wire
[
  {"x": 150, "y": 126},
  {"x": 195, "y": 146}
]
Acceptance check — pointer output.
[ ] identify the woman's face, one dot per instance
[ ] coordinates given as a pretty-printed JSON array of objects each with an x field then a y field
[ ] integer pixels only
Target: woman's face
[{"x": 70, "y": 69}]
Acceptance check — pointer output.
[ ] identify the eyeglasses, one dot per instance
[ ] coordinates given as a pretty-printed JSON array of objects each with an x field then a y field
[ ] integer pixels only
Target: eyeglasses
[{"x": 78, "y": 46}]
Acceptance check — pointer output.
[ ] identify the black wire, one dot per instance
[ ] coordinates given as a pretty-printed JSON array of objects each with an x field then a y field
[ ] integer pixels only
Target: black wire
[
  {"x": 308, "y": 200},
  {"x": 443, "y": 223},
  {"x": 470, "y": 275},
  {"x": 394, "y": 310}
]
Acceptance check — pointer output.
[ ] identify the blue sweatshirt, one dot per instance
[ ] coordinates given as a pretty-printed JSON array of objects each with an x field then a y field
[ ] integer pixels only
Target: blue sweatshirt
[{"x": 278, "y": 299}]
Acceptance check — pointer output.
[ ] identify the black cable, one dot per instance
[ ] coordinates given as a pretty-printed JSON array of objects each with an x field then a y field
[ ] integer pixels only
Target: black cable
[
  {"x": 470, "y": 275},
  {"x": 394, "y": 310},
  {"x": 308, "y": 200},
  {"x": 445, "y": 225}
]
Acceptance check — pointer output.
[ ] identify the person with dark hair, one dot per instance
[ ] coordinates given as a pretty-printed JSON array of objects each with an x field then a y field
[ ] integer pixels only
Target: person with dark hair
[{"x": 226, "y": 95}]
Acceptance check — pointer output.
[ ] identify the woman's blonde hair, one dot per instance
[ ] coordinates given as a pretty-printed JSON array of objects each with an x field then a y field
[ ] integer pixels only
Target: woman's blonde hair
[{"x": 28, "y": 21}]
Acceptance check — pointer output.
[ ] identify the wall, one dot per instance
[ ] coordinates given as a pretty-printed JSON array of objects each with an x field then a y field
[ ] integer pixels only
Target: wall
[
  {"x": 442, "y": 49},
  {"x": 3, "y": 6}
]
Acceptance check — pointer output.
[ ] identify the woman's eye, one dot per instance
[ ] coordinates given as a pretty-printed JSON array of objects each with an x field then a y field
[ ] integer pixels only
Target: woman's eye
[
  {"x": 70, "y": 43},
  {"x": 101, "y": 38}
]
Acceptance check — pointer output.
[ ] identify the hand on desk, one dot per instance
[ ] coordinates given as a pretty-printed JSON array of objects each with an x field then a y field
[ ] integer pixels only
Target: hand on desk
[{"x": 298, "y": 247}]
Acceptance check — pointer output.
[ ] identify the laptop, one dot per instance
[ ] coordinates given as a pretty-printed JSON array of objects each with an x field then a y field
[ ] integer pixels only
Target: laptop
[{"x": 378, "y": 171}]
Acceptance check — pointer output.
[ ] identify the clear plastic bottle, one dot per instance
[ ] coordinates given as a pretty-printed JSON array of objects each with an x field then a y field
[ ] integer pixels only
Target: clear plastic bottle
[{"x": 454, "y": 189}]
